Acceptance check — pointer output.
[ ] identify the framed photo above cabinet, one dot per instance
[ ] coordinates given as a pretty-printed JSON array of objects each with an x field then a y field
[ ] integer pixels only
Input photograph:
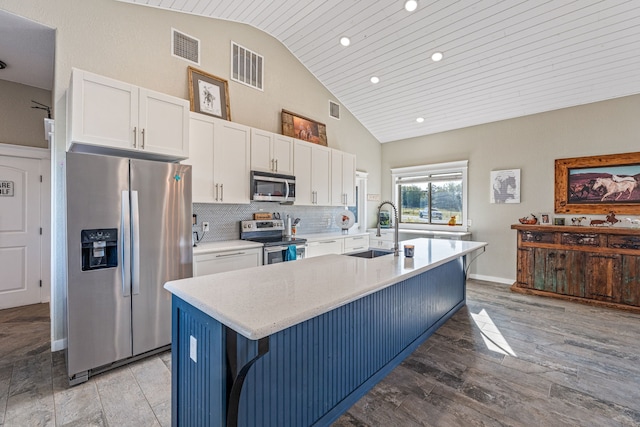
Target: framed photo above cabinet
[
  {"x": 303, "y": 128},
  {"x": 209, "y": 94},
  {"x": 598, "y": 184}
]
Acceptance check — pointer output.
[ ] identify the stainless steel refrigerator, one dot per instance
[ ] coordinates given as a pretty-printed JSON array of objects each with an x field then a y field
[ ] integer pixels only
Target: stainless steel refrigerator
[{"x": 128, "y": 232}]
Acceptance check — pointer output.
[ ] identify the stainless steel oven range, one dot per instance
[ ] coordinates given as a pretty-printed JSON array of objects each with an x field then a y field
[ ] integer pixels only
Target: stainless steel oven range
[{"x": 277, "y": 247}]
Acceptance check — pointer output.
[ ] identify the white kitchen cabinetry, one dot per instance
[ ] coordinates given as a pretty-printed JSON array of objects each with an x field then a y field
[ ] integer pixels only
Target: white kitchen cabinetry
[
  {"x": 218, "y": 262},
  {"x": 271, "y": 152},
  {"x": 312, "y": 168},
  {"x": 385, "y": 241},
  {"x": 343, "y": 178},
  {"x": 356, "y": 243},
  {"x": 324, "y": 247},
  {"x": 220, "y": 156},
  {"x": 112, "y": 117}
]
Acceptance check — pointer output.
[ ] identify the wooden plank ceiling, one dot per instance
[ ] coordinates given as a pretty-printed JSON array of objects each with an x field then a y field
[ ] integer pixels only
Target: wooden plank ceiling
[{"x": 502, "y": 59}]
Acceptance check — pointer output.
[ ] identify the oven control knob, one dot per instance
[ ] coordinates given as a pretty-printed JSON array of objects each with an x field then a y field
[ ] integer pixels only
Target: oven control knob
[{"x": 249, "y": 225}]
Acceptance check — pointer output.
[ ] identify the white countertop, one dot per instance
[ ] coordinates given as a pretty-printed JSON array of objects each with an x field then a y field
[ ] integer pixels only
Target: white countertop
[
  {"x": 260, "y": 301},
  {"x": 225, "y": 245}
]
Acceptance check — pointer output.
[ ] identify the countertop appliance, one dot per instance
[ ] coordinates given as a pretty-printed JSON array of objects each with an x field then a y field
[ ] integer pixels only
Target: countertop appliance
[
  {"x": 277, "y": 247},
  {"x": 273, "y": 187},
  {"x": 128, "y": 232}
]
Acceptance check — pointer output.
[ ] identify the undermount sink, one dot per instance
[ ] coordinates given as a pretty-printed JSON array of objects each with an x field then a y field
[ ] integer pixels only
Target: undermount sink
[{"x": 371, "y": 253}]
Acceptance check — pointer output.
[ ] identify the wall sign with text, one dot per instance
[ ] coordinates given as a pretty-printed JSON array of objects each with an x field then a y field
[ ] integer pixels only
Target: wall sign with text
[{"x": 6, "y": 188}]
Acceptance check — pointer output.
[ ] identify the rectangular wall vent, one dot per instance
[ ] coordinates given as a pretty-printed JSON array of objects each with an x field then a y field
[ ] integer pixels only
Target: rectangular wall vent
[
  {"x": 334, "y": 110},
  {"x": 185, "y": 47},
  {"x": 247, "y": 67}
]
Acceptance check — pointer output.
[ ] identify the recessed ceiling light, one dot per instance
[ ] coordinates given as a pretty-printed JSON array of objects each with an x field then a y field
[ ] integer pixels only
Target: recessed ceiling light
[
  {"x": 375, "y": 80},
  {"x": 420, "y": 119},
  {"x": 411, "y": 5},
  {"x": 344, "y": 41},
  {"x": 437, "y": 56}
]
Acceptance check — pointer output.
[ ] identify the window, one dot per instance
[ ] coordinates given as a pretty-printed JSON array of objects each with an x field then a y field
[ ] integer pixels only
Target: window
[{"x": 432, "y": 196}]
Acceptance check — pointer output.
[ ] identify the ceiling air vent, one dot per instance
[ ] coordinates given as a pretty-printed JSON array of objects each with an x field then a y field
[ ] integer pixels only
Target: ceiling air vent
[
  {"x": 185, "y": 47},
  {"x": 247, "y": 67},
  {"x": 334, "y": 110}
]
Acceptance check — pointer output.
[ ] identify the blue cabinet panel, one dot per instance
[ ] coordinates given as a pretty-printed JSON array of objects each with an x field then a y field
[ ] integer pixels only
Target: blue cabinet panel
[{"x": 316, "y": 370}]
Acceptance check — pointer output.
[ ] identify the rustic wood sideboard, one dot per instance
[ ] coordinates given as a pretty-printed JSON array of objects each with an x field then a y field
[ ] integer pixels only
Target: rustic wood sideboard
[{"x": 598, "y": 265}]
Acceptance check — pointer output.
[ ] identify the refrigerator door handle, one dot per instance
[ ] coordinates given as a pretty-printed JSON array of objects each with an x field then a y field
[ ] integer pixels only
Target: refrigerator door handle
[
  {"x": 125, "y": 243},
  {"x": 135, "y": 244}
]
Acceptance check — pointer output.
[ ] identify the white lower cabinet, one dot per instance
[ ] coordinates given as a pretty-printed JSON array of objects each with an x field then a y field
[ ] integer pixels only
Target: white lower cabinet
[
  {"x": 218, "y": 262},
  {"x": 324, "y": 247},
  {"x": 385, "y": 241},
  {"x": 356, "y": 243}
]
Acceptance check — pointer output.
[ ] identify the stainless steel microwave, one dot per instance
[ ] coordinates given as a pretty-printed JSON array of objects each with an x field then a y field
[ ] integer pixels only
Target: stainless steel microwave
[{"x": 273, "y": 187}]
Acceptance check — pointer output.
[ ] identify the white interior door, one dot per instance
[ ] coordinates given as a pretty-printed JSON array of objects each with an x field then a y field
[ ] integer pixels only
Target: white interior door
[{"x": 19, "y": 231}]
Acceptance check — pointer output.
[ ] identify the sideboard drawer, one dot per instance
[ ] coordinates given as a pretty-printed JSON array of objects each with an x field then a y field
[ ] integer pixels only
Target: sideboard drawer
[
  {"x": 580, "y": 239},
  {"x": 536, "y": 236},
  {"x": 624, "y": 242}
]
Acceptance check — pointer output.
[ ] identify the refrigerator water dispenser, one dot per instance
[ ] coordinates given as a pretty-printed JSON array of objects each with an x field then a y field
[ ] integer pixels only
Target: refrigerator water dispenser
[{"x": 99, "y": 248}]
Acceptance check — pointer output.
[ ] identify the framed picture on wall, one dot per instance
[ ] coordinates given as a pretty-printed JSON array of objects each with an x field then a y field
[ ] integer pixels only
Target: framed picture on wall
[
  {"x": 303, "y": 128},
  {"x": 208, "y": 94},
  {"x": 598, "y": 184},
  {"x": 505, "y": 186}
]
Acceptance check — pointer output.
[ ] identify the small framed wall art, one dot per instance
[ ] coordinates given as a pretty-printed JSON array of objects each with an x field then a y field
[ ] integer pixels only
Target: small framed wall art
[
  {"x": 209, "y": 94},
  {"x": 505, "y": 186},
  {"x": 303, "y": 128}
]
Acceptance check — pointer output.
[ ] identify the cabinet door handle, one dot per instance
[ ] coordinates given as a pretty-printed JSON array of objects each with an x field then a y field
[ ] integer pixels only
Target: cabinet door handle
[
  {"x": 135, "y": 136},
  {"x": 328, "y": 241},
  {"x": 216, "y": 193},
  {"x": 143, "y": 138},
  {"x": 235, "y": 253},
  {"x": 272, "y": 165},
  {"x": 276, "y": 165},
  {"x": 221, "y": 192}
]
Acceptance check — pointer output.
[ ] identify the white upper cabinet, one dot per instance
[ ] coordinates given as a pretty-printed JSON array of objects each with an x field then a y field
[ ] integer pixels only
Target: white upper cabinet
[
  {"x": 220, "y": 153},
  {"x": 271, "y": 152},
  {"x": 312, "y": 167},
  {"x": 343, "y": 178},
  {"x": 113, "y": 117}
]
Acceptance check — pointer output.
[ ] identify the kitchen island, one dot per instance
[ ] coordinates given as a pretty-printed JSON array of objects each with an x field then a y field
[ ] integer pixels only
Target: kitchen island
[{"x": 298, "y": 343}]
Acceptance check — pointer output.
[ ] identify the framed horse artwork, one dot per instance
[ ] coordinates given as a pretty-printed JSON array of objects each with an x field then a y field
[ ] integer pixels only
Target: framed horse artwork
[
  {"x": 208, "y": 94},
  {"x": 598, "y": 184}
]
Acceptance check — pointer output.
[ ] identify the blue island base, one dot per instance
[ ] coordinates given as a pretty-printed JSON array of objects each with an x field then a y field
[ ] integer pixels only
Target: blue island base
[{"x": 310, "y": 373}]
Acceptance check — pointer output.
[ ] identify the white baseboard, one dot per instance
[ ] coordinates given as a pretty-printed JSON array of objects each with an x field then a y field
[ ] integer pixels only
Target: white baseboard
[
  {"x": 58, "y": 345},
  {"x": 492, "y": 279}
]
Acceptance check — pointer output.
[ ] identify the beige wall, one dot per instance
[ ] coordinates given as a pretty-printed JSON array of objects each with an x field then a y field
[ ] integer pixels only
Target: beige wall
[
  {"x": 528, "y": 143},
  {"x": 21, "y": 124}
]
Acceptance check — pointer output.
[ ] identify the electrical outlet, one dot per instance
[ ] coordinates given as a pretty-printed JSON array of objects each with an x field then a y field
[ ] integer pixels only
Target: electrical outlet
[
  {"x": 469, "y": 223},
  {"x": 205, "y": 226}
]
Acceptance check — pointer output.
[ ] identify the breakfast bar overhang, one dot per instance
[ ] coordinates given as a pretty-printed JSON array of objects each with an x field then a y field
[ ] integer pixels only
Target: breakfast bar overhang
[{"x": 298, "y": 343}]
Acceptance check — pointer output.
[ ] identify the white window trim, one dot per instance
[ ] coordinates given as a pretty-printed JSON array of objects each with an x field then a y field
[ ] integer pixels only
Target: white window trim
[{"x": 436, "y": 168}]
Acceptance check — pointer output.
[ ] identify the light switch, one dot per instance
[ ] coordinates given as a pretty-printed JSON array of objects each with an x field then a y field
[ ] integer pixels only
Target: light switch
[{"x": 193, "y": 348}]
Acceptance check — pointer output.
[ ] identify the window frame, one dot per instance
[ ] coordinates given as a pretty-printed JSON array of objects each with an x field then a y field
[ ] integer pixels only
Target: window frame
[{"x": 461, "y": 166}]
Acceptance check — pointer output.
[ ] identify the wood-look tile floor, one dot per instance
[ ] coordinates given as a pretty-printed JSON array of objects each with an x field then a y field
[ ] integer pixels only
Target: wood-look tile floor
[{"x": 503, "y": 360}]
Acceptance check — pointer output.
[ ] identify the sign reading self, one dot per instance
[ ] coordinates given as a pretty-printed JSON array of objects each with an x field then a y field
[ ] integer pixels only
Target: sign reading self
[{"x": 6, "y": 188}]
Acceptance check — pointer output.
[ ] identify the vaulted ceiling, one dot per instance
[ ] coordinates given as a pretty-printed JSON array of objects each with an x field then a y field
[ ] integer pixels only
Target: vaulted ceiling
[{"x": 502, "y": 59}]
